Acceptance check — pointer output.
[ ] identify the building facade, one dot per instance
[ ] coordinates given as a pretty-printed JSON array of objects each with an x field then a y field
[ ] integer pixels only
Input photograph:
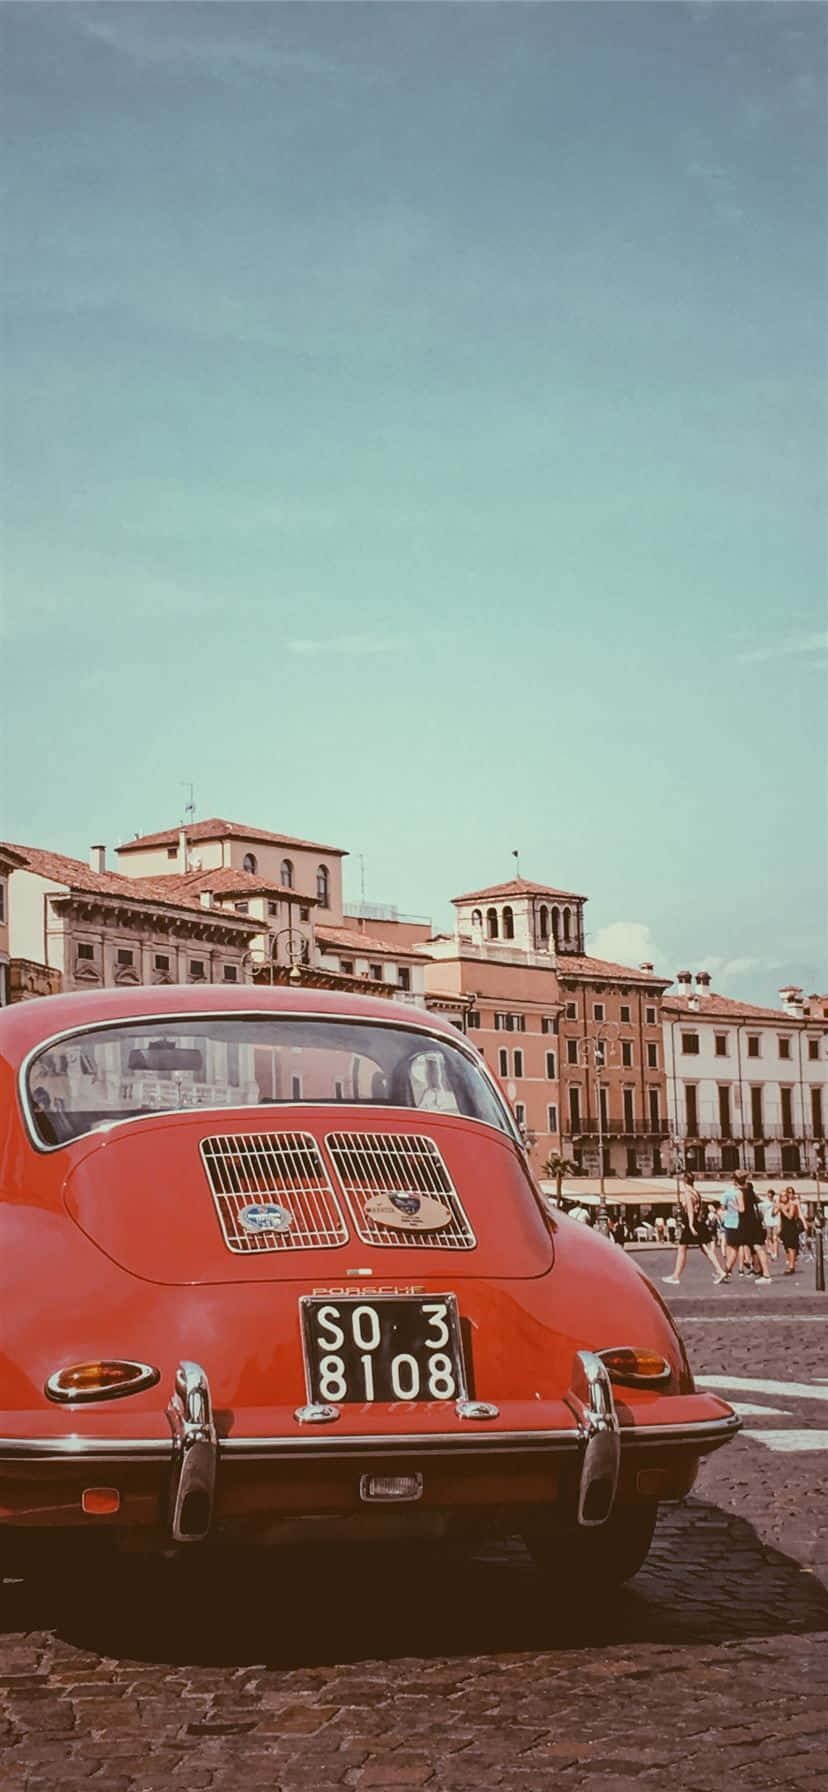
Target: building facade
[
  {"x": 747, "y": 1087},
  {"x": 312, "y": 871}
]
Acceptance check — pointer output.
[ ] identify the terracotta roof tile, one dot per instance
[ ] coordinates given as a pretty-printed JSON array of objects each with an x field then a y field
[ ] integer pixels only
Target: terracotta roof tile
[
  {"x": 225, "y": 880},
  {"x": 218, "y": 829},
  {"x": 567, "y": 964},
  {"x": 716, "y": 1007},
  {"x": 350, "y": 939},
  {"x": 517, "y": 886},
  {"x": 77, "y": 875}
]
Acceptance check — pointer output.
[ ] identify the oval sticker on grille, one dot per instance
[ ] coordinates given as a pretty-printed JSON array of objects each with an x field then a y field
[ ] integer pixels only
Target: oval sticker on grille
[
  {"x": 265, "y": 1219},
  {"x": 408, "y": 1212}
]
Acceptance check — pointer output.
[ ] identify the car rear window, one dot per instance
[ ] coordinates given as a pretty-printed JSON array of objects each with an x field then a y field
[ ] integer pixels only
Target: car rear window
[{"x": 99, "y": 1077}]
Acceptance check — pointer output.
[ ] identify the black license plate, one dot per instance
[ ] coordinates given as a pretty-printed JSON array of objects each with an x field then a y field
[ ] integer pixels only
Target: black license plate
[{"x": 399, "y": 1347}]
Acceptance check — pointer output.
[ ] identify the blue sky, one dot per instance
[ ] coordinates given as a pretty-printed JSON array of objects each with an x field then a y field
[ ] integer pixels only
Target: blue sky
[{"x": 415, "y": 436}]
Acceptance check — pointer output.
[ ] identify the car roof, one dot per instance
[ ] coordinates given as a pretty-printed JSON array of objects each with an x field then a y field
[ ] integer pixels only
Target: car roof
[{"x": 25, "y": 1025}]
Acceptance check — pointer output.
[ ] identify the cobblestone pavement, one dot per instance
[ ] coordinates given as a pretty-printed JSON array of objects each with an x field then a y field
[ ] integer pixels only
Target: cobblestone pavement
[{"x": 709, "y": 1670}]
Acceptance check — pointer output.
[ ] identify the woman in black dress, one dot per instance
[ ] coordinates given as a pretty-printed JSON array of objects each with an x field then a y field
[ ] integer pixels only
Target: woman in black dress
[
  {"x": 752, "y": 1231},
  {"x": 694, "y": 1228},
  {"x": 790, "y": 1226}
]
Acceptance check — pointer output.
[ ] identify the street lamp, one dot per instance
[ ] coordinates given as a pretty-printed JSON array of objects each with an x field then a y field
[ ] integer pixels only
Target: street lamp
[{"x": 595, "y": 1052}]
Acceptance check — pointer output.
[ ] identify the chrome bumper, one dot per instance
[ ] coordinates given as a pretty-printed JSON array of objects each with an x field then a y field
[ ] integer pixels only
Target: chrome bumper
[{"x": 194, "y": 1449}]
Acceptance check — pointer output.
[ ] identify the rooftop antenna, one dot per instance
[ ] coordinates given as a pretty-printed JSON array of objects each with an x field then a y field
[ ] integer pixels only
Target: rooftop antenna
[
  {"x": 189, "y": 807},
  {"x": 361, "y": 857},
  {"x": 516, "y": 857}
]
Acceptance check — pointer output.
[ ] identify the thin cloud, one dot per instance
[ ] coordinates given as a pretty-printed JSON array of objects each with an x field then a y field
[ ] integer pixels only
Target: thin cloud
[
  {"x": 350, "y": 644},
  {"x": 795, "y": 644},
  {"x": 218, "y": 55},
  {"x": 631, "y": 943}
]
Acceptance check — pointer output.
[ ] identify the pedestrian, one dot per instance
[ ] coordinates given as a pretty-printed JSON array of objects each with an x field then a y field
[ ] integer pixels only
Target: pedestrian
[
  {"x": 790, "y": 1226},
  {"x": 752, "y": 1231},
  {"x": 770, "y": 1219},
  {"x": 694, "y": 1228},
  {"x": 731, "y": 1212},
  {"x": 619, "y": 1231}
]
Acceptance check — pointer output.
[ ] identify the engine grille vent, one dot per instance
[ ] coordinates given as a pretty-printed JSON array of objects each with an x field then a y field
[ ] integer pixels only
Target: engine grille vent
[
  {"x": 378, "y": 1163},
  {"x": 282, "y": 1169}
]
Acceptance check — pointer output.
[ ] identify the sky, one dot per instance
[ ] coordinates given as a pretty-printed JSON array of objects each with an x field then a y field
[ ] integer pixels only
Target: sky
[{"x": 415, "y": 438}]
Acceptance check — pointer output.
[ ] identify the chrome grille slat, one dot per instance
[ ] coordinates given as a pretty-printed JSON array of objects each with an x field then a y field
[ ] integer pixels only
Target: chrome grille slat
[
  {"x": 374, "y": 1163},
  {"x": 283, "y": 1167}
]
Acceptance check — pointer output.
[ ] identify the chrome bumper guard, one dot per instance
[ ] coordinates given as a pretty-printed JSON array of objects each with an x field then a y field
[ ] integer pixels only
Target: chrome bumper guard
[
  {"x": 594, "y": 1408},
  {"x": 195, "y": 1450}
]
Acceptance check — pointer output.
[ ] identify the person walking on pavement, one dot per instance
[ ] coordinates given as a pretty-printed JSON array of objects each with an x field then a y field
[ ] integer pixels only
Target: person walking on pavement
[
  {"x": 752, "y": 1231},
  {"x": 694, "y": 1228},
  {"x": 790, "y": 1226},
  {"x": 731, "y": 1209},
  {"x": 770, "y": 1220}
]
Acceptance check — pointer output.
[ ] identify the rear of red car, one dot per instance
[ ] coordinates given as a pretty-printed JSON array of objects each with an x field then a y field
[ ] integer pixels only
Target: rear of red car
[{"x": 276, "y": 1272}]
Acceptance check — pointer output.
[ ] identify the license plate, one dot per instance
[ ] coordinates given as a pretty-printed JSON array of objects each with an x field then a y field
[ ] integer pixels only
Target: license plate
[{"x": 403, "y": 1347}]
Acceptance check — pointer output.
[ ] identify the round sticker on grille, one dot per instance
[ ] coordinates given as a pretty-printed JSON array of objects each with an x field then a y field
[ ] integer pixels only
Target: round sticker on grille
[
  {"x": 265, "y": 1219},
  {"x": 408, "y": 1212}
]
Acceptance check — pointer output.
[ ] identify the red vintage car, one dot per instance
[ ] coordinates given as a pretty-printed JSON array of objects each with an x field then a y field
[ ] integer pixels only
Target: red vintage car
[{"x": 276, "y": 1267}]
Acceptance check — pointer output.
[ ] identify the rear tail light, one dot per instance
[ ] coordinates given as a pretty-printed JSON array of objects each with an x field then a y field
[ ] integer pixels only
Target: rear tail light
[
  {"x": 636, "y": 1368},
  {"x": 100, "y": 1381}
]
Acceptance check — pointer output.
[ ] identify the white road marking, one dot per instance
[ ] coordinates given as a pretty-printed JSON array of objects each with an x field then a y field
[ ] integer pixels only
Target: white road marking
[
  {"x": 749, "y": 1384},
  {"x": 790, "y": 1440},
  {"x": 746, "y": 1411}
]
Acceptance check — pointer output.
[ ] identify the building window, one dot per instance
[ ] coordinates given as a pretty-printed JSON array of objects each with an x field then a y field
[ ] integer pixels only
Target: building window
[
  {"x": 756, "y": 1121},
  {"x": 724, "y": 1111},
  {"x": 575, "y": 1109},
  {"x": 2, "y": 902},
  {"x": 286, "y": 874},
  {"x": 721, "y": 1045},
  {"x": 567, "y": 924},
  {"x": 555, "y": 919},
  {"x": 503, "y": 1061},
  {"x": 161, "y": 961},
  {"x": 626, "y": 1053},
  {"x": 572, "y": 1051},
  {"x": 304, "y": 914},
  {"x": 249, "y": 862},
  {"x": 508, "y": 924},
  {"x": 230, "y": 973},
  {"x": 651, "y": 1017},
  {"x": 477, "y": 919},
  {"x": 652, "y": 1055},
  {"x": 520, "y": 1113},
  {"x": 549, "y": 1023},
  {"x": 85, "y": 951},
  {"x": 346, "y": 966},
  {"x": 518, "y": 1064},
  {"x": 125, "y": 955},
  {"x": 813, "y": 1048},
  {"x": 550, "y": 1066},
  {"x": 241, "y": 908},
  {"x": 375, "y": 971},
  {"x": 196, "y": 967},
  {"x": 691, "y": 1100},
  {"x": 690, "y": 1045},
  {"x": 543, "y": 922},
  {"x": 655, "y": 1114},
  {"x": 629, "y": 1109},
  {"x": 598, "y": 1011},
  {"x": 552, "y": 1119},
  {"x": 787, "y": 1113},
  {"x": 784, "y": 1048},
  {"x": 322, "y": 887},
  {"x": 491, "y": 923},
  {"x": 510, "y": 1023},
  {"x": 816, "y": 1113},
  {"x": 403, "y": 977},
  {"x": 753, "y": 1045},
  {"x": 172, "y": 852},
  {"x": 572, "y": 1011},
  {"x": 473, "y": 1018},
  {"x": 273, "y": 908},
  {"x": 626, "y": 1015}
]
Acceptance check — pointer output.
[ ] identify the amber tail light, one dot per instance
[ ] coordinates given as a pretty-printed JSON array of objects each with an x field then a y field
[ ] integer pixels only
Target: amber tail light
[
  {"x": 100, "y": 1381},
  {"x": 636, "y": 1368}
]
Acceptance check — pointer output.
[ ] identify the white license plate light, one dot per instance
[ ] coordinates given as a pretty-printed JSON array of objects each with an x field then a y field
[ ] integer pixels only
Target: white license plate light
[{"x": 397, "y": 1488}]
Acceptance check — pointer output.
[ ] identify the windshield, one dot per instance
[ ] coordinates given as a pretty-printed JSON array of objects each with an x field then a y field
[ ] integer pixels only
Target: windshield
[{"x": 99, "y": 1077}]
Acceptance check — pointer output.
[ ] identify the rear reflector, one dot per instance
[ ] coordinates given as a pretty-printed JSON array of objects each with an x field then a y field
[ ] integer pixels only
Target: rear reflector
[
  {"x": 103, "y": 1380},
  {"x": 636, "y": 1367},
  {"x": 98, "y": 1501}
]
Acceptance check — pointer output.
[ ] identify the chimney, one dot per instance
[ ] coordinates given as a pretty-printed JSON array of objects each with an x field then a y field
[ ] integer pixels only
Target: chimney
[
  {"x": 645, "y": 966},
  {"x": 684, "y": 977},
  {"x": 792, "y": 1000},
  {"x": 182, "y": 850},
  {"x": 97, "y": 858},
  {"x": 703, "y": 983},
  {"x": 205, "y": 897}
]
